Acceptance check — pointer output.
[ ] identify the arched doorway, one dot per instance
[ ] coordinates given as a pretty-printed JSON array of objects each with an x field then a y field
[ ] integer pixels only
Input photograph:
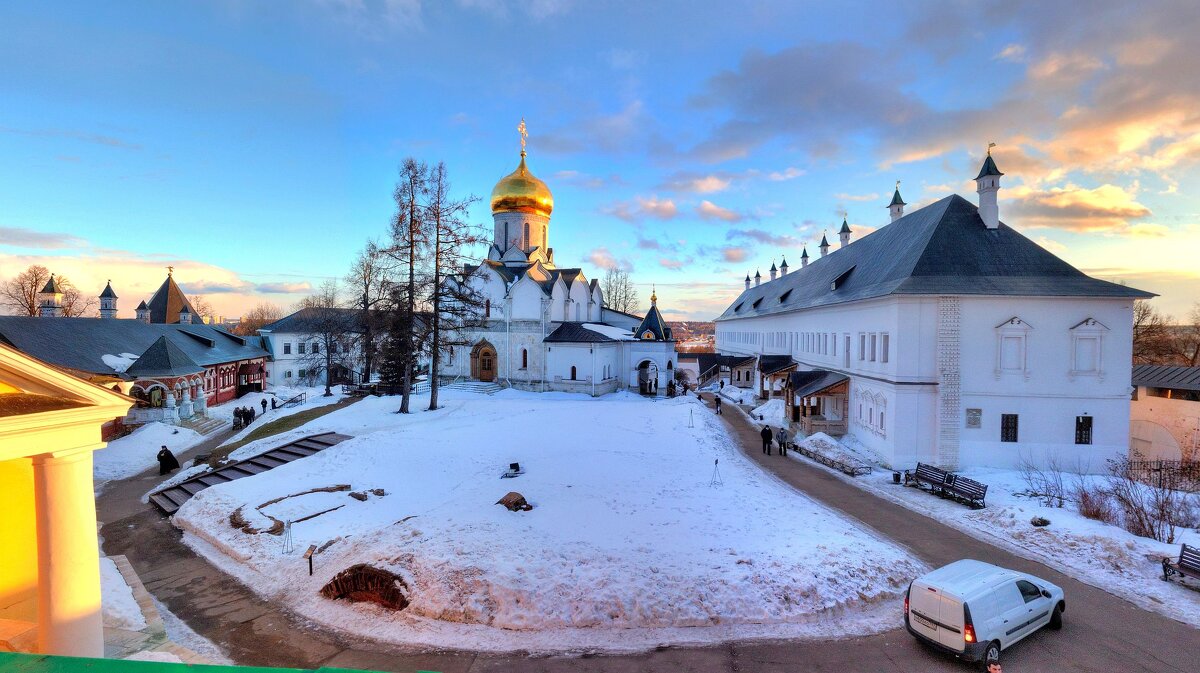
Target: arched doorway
[
  {"x": 648, "y": 378},
  {"x": 483, "y": 362}
]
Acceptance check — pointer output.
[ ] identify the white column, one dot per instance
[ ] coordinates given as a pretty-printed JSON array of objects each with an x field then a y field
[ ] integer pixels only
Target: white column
[{"x": 69, "y": 621}]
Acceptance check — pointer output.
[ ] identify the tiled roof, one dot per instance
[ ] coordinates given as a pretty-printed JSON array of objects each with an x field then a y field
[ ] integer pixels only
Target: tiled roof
[
  {"x": 943, "y": 248},
  {"x": 167, "y": 302},
  {"x": 163, "y": 358},
  {"x": 108, "y": 292},
  {"x": 653, "y": 323},
  {"x": 575, "y": 332},
  {"x": 1162, "y": 376},
  {"x": 806, "y": 383},
  {"x": 769, "y": 364},
  {"x": 80, "y": 343},
  {"x": 311, "y": 320}
]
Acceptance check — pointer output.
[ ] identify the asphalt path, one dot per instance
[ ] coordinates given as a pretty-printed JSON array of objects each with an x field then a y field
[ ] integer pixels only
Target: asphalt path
[{"x": 1102, "y": 632}]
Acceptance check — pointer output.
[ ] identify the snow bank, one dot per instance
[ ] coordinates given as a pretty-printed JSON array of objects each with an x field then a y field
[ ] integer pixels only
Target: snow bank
[
  {"x": 1103, "y": 555},
  {"x": 737, "y": 395},
  {"x": 772, "y": 413},
  {"x": 153, "y": 655},
  {"x": 137, "y": 451},
  {"x": 610, "y": 331},
  {"x": 117, "y": 605},
  {"x": 119, "y": 363},
  {"x": 627, "y": 547},
  {"x": 315, "y": 398}
]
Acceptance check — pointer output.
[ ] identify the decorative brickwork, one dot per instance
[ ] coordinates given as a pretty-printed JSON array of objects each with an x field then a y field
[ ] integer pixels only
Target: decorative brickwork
[{"x": 949, "y": 380}]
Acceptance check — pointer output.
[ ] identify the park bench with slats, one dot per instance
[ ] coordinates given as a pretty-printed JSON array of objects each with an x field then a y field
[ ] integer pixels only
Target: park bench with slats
[
  {"x": 1188, "y": 564},
  {"x": 947, "y": 484},
  {"x": 967, "y": 491},
  {"x": 935, "y": 478}
]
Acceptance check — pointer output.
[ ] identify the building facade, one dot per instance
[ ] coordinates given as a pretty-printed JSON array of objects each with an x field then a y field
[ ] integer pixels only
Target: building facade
[{"x": 946, "y": 337}]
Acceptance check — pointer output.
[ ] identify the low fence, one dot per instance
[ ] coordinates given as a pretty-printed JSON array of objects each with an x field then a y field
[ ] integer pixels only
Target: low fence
[
  {"x": 1176, "y": 474},
  {"x": 854, "y": 469}
]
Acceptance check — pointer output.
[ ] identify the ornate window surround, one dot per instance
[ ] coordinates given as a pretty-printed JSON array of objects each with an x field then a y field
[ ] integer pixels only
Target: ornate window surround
[
  {"x": 1089, "y": 328},
  {"x": 1013, "y": 328}
]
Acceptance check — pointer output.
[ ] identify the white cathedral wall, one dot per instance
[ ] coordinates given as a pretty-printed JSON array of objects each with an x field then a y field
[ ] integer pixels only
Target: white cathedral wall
[
  {"x": 527, "y": 298},
  {"x": 515, "y": 222},
  {"x": 590, "y": 362}
]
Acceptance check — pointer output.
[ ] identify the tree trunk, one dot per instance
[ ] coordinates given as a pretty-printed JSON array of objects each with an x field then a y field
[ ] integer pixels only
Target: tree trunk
[{"x": 435, "y": 358}]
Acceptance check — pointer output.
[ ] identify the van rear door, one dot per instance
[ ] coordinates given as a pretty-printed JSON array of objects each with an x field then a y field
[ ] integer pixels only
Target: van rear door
[{"x": 931, "y": 614}]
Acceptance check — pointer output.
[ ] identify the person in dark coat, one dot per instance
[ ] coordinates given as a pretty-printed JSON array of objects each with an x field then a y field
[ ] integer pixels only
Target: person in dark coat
[
  {"x": 766, "y": 435},
  {"x": 167, "y": 463},
  {"x": 273, "y": 401},
  {"x": 781, "y": 438},
  {"x": 250, "y": 414},
  {"x": 264, "y": 405},
  {"x": 717, "y": 402}
]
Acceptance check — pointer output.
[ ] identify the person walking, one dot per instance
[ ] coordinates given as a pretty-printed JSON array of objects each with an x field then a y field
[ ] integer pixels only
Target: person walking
[
  {"x": 766, "y": 437},
  {"x": 250, "y": 413},
  {"x": 264, "y": 404},
  {"x": 167, "y": 462},
  {"x": 717, "y": 401},
  {"x": 782, "y": 438}
]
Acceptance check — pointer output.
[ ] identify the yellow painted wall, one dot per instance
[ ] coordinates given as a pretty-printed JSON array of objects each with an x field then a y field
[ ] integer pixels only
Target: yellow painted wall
[{"x": 18, "y": 541}]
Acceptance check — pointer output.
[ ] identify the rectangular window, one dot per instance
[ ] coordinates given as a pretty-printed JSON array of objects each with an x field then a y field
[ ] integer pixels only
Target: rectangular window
[
  {"x": 1085, "y": 354},
  {"x": 302, "y": 373},
  {"x": 316, "y": 347},
  {"x": 862, "y": 346},
  {"x": 1010, "y": 354},
  {"x": 833, "y": 340},
  {"x": 883, "y": 348},
  {"x": 1008, "y": 427},
  {"x": 874, "y": 344},
  {"x": 287, "y": 348},
  {"x": 300, "y": 348},
  {"x": 287, "y": 374},
  {"x": 1083, "y": 429}
]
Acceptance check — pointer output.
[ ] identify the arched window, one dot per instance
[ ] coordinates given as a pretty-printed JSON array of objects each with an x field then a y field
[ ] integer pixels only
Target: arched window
[
  {"x": 526, "y": 236},
  {"x": 572, "y": 373},
  {"x": 524, "y": 358},
  {"x": 670, "y": 365},
  {"x": 487, "y": 308}
]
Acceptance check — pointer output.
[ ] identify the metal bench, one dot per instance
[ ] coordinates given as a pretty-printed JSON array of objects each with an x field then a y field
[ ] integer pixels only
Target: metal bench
[
  {"x": 1188, "y": 564},
  {"x": 967, "y": 491}
]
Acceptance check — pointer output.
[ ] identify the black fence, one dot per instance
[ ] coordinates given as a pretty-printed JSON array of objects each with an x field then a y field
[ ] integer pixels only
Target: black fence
[{"x": 1177, "y": 474}]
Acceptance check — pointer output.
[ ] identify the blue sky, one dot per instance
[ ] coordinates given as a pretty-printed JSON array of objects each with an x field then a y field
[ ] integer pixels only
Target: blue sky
[{"x": 253, "y": 145}]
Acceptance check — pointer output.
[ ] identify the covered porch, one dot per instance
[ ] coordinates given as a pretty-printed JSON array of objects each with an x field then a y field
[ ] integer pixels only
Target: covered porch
[{"x": 819, "y": 401}]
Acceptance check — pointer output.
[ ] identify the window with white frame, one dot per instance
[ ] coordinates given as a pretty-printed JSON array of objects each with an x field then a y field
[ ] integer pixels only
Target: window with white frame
[
  {"x": 1087, "y": 339},
  {"x": 874, "y": 345},
  {"x": 862, "y": 346},
  {"x": 1012, "y": 347},
  {"x": 883, "y": 347}
]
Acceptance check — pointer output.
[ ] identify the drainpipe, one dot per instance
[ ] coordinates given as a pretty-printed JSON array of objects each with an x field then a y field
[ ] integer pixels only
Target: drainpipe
[
  {"x": 508, "y": 339},
  {"x": 593, "y": 377}
]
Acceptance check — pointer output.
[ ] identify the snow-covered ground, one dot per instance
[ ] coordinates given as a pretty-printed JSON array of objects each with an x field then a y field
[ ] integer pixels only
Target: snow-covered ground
[
  {"x": 771, "y": 412},
  {"x": 1100, "y": 554},
  {"x": 628, "y": 545},
  {"x": 117, "y": 605},
  {"x": 138, "y": 451},
  {"x": 737, "y": 395},
  {"x": 315, "y": 398}
]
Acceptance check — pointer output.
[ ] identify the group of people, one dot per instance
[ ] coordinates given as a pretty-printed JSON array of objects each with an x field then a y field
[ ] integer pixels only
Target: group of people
[
  {"x": 780, "y": 436},
  {"x": 245, "y": 415}
]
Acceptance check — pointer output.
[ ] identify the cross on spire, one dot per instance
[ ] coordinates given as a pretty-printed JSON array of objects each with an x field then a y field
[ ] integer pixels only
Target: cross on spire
[{"x": 524, "y": 134}]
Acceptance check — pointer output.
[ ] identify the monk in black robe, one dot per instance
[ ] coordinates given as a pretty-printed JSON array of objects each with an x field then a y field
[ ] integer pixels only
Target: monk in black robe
[{"x": 167, "y": 462}]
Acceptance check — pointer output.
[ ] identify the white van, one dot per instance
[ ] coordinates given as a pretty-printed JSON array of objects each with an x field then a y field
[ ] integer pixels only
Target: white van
[{"x": 974, "y": 609}]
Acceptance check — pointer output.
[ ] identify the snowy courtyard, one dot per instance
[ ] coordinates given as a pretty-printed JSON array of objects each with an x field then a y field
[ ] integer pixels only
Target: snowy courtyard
[{"x": 629, "y": 544}]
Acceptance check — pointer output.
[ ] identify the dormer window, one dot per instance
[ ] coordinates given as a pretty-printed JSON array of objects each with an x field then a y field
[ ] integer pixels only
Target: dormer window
[
  {"x": 738, "y": 307},
  {"x": 841, "y": 279},
  {"x": 784, "y": 297},
  {"x": 757, "y": 302}
]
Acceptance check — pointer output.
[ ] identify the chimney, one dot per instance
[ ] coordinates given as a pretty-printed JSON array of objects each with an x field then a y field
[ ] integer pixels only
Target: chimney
[
  {"x": 896, "y": 207},
  {"x": 143, "y": 312},
  {"x": 824, "y": 245},
  {"x": 757, "y": 279},
  {"x": 774, "y": 271},
  {"x": 988, "y": 183},
  {"x": 108, "y": 302},
  {"x": 783, "y": 268},
  {"x": 747, "y": 281},
  {"x": 844, "y": 234},
  {"x": 804, "y": 257},
  {"x": 185, "y": 316}
]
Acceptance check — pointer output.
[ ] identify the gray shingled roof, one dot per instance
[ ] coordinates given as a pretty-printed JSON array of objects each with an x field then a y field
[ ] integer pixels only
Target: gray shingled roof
[
  {"x": 653, "y": 323},
  {"x": 108, "y": 291},
  {"x": 943, "y": 248},
  {"x": 575, "y": 332},
  {"x": 896, "y": 200},
  {"x": 163, "y": 358},
  {"x": 80, "y": 343},
  {"x": 51, "y": 286},
  {"x": 312, "y": 320},
  {"x": 1163, "y": 376},
  {"x": 167, "y": 301},
  {"x": 845, "y": 227},
  {"x": 806, "y": 383},
  {"x": 988, "y": 168}
]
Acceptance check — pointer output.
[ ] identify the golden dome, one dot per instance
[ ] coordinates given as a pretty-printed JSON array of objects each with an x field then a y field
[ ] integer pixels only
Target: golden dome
[{"x": 521, "y": 192}]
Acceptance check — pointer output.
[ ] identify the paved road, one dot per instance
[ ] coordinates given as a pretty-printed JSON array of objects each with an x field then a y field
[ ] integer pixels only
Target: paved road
[{"x": 1102, "y": 632}]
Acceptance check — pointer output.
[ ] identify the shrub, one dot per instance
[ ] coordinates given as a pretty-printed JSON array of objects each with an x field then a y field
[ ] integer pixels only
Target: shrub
[{"x": 1095, "y": 504}]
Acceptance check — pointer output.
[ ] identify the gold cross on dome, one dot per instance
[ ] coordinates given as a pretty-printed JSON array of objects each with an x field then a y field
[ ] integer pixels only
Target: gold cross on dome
[{"x": 523, "y": 132}]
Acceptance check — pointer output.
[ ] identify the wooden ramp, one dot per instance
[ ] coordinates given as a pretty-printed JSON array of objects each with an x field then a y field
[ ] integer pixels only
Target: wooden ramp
[{"x": 172, "y": 498}]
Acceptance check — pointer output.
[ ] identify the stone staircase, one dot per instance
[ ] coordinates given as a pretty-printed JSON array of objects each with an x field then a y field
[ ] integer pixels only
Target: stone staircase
[
  {"x": 469, "y": 386},
  {"x": 204, "y": 425}
]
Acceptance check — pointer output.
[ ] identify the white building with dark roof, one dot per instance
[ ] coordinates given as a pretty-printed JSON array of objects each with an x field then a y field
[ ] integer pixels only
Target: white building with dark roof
[
  {"x": 945, "y": 337},
  {"x": 544, "y": 327}
]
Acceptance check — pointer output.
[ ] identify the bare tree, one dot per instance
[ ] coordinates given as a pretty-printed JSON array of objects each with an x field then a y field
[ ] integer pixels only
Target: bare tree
[
  {"x": 1187, "y": 339},
  {"x": 370, "y": 280},
  {"x": 19, "y": 294},
  {"x": 455, "y": 305},
  {"x": 409, "y": 236},
  {"x": 329, "y": 332},
  {"x": 204, "y": 310},
  {"x": 264, "y": 313},
  {"x": 619, "y": 292},
  {"x": 1151, "y": 335}
]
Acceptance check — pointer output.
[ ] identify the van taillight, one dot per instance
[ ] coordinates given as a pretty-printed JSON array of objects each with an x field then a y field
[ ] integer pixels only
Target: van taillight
[
  {"x": 968, "y": 627},
  {"x": 906, "y": 602}
]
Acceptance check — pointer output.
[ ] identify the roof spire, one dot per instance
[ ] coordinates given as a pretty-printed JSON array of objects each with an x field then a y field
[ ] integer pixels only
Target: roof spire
[
  {"x": 524, "y": 135},
  {"x": 653, "y": 295}
]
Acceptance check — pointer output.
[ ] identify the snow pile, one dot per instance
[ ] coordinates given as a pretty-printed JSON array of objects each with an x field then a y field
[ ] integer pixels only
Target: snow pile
[
  {"x": 610, "y": 331},
  {"x": 1100, "y": 554},
  {"x": 154, "y": 655},
  {"x": 119, "y": 363},
  {"x": 827, "y": 446},
  {"x": 737, "y": 395},
  {"x": 119, "y": 609},
  {"x": 627, "y": 547},
  {"x": 137, "y": 451},
  {"x": 772, "y": 413},
  {"x": 315, "y": 398}
]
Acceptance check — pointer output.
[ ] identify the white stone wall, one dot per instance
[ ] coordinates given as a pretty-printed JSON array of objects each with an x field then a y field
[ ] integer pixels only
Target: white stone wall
[{"x": 514, "y": 225}]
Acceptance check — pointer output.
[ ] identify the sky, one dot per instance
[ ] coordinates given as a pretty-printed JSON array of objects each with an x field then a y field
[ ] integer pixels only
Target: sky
[{"x": 253, "y": 146}]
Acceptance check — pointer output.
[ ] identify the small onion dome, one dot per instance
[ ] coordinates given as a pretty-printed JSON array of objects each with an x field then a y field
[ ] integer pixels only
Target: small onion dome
[{"x": 521, "y": 192}]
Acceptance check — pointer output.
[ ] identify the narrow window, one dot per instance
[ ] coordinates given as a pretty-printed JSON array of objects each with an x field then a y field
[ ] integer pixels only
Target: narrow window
[
  {"x": 316, "y": 347},
  {"x": 524, "y": 358},
  {"x": 301, "y": 346},
  {"x": 572, "y": 368},
  {"x": 862, "y": 346},
  {"x": 1083, "y": 429},
  {"x": 487, "y": 308},
  {"x": 526, "y": 235},
  {"x": 287, "y": 348},
  {"x": 874, "y": 342},
  {"x": 1008, "y": 427},
  {"x": 883, "y": 348}
]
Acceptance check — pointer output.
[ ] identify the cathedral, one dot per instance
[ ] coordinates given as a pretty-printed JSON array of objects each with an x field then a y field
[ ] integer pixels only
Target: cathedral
[{"x": 544, "y": 327}]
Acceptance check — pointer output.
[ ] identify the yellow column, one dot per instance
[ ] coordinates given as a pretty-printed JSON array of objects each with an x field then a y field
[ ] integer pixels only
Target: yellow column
[{"x": 69, "y": 619}]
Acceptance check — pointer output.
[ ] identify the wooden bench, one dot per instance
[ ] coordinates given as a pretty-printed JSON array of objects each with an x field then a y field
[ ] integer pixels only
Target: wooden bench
[
  {"x": 947, "y": 484},
  {"x": 1188, "y": 564},
  {"x": 967, "y": 491}
]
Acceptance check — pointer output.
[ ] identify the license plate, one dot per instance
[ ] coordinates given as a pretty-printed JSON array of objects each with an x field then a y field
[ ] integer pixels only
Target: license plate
[{"x": 924, "y": 622}]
